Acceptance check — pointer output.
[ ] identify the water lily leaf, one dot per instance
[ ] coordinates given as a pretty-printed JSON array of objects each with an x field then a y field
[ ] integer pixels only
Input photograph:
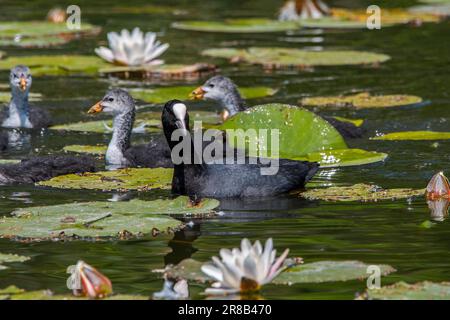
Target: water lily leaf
[
  {"x": 56, "y": 64},
  {"x": 361, "y": 192},
  {"x": 414, "y": 135},
  {"x": 362, "y": 101},
  {"x": 14, "y": 293},
  {"x": 328, "y": 271},
  {"x": 38, "y": 42},
  {"x": 98, "y": 126},
  {"x": 300, "y": 131},
  {"x": 9, "y": 161},
  {"x": 250, "y": 25},
  {"x": 96, "y": 150},
  {"x": 42, "y": 28},
  {"x": 333, "y": 23},
  {"x": 343, "y": 157},
  {"x": 356, "y": 122},
  {"x": 121, "y": 180},
  {"x": 9, "y": 258},
  {"x": 403, "y": 291},
  {"x": 33, "y": 96},
  {"x": 123, "y": 219},
  {"x": 164, "y": 71},
  {"x": 316, "y": 272},
  {"x": 440, "y": 9},
  {"x": 164, "y": 94},
  {"x": 143, "y": 9}
]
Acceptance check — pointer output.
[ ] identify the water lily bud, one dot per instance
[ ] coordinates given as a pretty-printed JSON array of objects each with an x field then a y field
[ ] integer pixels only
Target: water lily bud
[
  {"x": 438, "y": 187},
  {"x": 57, "y": 15},
  {"x": 88, "y": 281}
]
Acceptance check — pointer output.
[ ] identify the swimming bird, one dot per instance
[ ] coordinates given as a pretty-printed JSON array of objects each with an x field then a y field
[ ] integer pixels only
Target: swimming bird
[
  {"x": 19, "y": 113},
  {"x": 228, "y": 180},
  {"x": 224, "y": 91},
  {"x": 120, "y": 153},
  {"x": 43, "y": 168}
]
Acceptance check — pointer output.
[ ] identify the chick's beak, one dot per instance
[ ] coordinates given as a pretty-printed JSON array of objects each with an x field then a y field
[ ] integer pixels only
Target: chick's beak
[
  {"x": 23, "y": 84},
  {"x": 96, "y": 108},
  {"x": 197, "y": 94}
]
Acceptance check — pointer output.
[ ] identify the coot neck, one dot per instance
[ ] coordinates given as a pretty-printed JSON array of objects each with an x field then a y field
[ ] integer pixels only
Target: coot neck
[
  {"x": 233, "y": 102},
  {"x": 120, "y": 141},
  {"x": 18, "y": 110}
]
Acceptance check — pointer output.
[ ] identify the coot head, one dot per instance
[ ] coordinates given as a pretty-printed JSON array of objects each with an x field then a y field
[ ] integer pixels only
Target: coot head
[
  {"x": 215, "y": 88},
  {"x": 20, "y": 78},
  {"x": 115, "y": 101},
  {"x": 175, "y": 117}
]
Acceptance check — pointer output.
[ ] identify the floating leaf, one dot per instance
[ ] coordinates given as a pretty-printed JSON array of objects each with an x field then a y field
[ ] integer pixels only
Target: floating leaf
[
  {"x": 9, "y": 258},
  {"x": 56, "y": 64},
  {"x": 33, "y": 96},
  {"x": 98, "y": 126},
  {"x": 328, "y": 271},
  {"x": 403, "y": 291},
  {"x": 360, "y": 192},
  {"x": 123, "y": 219},
  {"x": 316, "y": 272},
  {"x": 123, "y": 179},
  {"x": 301, "y": 131},
  {"x": 143, "y": 9},
  {"x": 414, "y": 135},
  {"x": 96, "y": 150},
  {"x": 250, "y": 25},
  {"x": 164, "y": 71},
  {"x": 333, "y": 23},
  {"x": 362, "y": 101},
  {"x": 356, "y": 122},
  {"x": 41, "y": 28},
  {"x": 9, "y": 161},
  {"x": 289, "y": 57},
  {"x": 39, "y": 42},
  {"x": 343, "y": 157},
  {"x": 164, "y": 94}
]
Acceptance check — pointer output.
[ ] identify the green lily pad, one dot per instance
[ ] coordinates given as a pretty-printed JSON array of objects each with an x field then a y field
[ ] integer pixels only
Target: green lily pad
[
  {"x": 164, "y": 94},
  {"x": 42, "y": 28},
  {"x": 9, "y": 161},
  {"x": 300, "y": 131},
  {"x": 289, "y": 57},
  {"x": 343, "y": 157},
  {"x": 33, "y": 96},
  {"x": 98, "y": 126},
  {"x": 164, "y": 71},
  {"x": 414, "y": 135},
  {"x": 440, "y": 9},
  {"x": 250, "y": 25},
  {"x": 14, "y": 293},
  {"x": 403, "y": 291},
  {"x": 316, "y": 272},
  {"x": 123, "y": 219},
  {"x": 38, "y": 42},
  {"x": 120, "y": 180},
  {"x": 143, "y": 9},
  {"x": 356, "y": 122},
  {"x": 96, "y": 150},
  {"x": 362, "y": 101},
  {"x": 360, "y": 192},
  {"x": 9, "y": 258},
  {"x": 328, "y": 271},
  {"x": 56, "y": 64},
  {"x": 333, "y": 23}
]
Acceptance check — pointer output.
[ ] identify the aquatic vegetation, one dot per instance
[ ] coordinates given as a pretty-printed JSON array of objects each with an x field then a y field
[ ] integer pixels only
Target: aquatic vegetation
[
  {"x": 414, "y": 135},
  {"x": 425, "y": 290},
  {"x": 249, "y": 25},
  {"x": 102, "y": 220},
  {"x": 363, "y": 100},
  {"x": 32, "y": 96},
  {"x": 104, "y": 126},
  {"x": 133, "y": 49},
  {"x": 97, "y": 150},
  {"x": 244, "y": 270},
  {"x": 438, "y": 187},
  {"x": 361, "y": 192},
  {"x": 38, "y": 42},
  {"x": 9, "y": 258},
  {"x": 289, "y": 57},
  {"x": 343, "y": 157},
  {"x": 40, "y": 29},
  {"x": 87, "y": 281}
]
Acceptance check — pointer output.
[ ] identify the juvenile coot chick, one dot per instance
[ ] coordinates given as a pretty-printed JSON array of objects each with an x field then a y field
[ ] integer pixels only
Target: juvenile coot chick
[
  {"x": 19, "y": 114},
  {"x": 228, "y": 180},
  {"x": 120, "y": 153},
  {"x": 43, "y": 168},
  {"x": 224, "y": 91}
]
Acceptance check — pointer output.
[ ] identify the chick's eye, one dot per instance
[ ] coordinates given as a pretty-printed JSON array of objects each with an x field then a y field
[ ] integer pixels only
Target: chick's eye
[
  {"x": 110, "y": 99},
  {"x": 15, "y": 76},
  {"x": 211, "y": 85}
]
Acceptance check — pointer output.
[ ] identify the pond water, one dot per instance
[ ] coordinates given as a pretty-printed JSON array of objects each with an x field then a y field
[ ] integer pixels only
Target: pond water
[{"x": 379, "y": 233}]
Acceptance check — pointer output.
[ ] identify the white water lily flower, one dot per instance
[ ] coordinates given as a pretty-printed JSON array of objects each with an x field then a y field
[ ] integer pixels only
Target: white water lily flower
[
  {"x": 303, "y": 9},
  {"x": 244, "y": 270},
  {"x": 133, "y": 49}
]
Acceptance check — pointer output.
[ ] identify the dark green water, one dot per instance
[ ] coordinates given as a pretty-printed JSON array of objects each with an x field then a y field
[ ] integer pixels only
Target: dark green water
[{"x": 385, "y": 233}]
